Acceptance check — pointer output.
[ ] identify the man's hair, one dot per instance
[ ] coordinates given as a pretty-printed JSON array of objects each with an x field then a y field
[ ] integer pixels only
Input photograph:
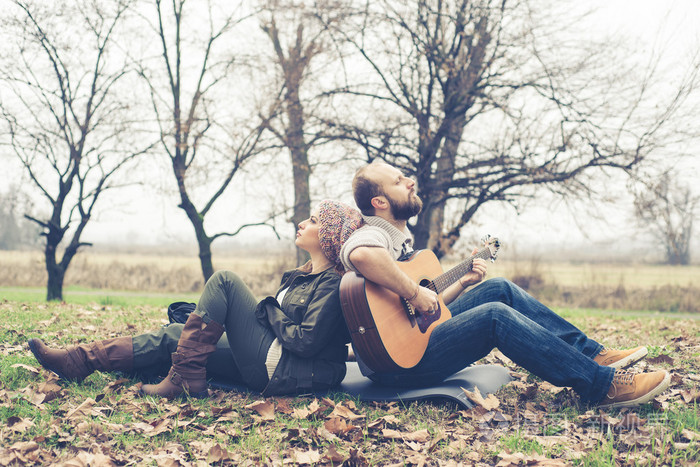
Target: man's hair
[{"x": 364, "y": 189}]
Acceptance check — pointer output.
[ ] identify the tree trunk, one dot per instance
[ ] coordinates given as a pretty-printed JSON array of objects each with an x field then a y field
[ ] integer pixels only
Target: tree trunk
[
  {"x": 302, "y": 201},
  {"x": 438, "y": 241},
  {"x": 298, "y": 149},
  {"x": 197, "y": 220},
  {"x": 421, "y": 231},
  {"x": 56, "y": 274},
  {"x": 205, "y": 260},
  {"x": 203, "y": 240}
]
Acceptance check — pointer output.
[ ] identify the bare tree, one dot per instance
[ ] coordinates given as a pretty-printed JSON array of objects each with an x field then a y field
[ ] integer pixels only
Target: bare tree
[
  {"x": 185, "y": 87},
  {"x": 484, "y": 100},
  {"x": 296, "y": 45},
  {"x": 16, "y": 232},
  {"x": 667, "y": 209},
  {"x": 64, "y": 117}
]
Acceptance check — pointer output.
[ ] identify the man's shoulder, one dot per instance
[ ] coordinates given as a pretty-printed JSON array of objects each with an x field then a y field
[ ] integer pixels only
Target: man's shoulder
[{"x": 369, "y": 230}]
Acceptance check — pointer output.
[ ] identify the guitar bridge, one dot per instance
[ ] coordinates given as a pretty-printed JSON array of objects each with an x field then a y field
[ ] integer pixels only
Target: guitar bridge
[{"x": 410, "y": 312}]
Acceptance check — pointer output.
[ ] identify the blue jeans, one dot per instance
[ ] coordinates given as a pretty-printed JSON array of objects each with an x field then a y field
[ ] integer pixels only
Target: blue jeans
[{"x": 498, "y": 313}]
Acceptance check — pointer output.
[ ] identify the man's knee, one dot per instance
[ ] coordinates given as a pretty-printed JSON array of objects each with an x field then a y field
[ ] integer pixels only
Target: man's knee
[{"x": 502, "y": 283}]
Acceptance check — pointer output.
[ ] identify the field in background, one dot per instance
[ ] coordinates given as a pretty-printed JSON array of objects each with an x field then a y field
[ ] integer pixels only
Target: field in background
[{"x": 580, "y": 285}]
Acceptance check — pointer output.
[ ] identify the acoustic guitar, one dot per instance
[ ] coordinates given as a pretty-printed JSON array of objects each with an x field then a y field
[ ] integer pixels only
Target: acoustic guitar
[{"x": 387, "y": 332}]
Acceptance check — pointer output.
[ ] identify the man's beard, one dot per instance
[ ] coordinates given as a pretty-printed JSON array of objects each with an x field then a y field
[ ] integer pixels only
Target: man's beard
[{"x": 403, "y": 211}]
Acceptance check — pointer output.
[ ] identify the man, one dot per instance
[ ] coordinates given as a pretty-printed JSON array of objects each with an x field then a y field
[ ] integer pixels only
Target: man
[{"x": 496, "y": 313}]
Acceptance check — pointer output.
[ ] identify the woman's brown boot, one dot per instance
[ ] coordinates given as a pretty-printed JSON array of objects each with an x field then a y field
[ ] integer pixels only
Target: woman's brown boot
[
  {"x": 188, "y": 373},
  {"x": 77, "y": 362}
]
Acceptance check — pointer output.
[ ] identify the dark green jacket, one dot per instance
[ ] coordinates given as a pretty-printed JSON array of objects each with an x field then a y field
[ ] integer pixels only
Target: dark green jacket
[{"x": 312, "y": 331}]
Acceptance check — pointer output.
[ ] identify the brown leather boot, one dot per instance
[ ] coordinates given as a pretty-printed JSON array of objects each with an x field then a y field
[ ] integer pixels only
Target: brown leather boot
[
  {"x": 77, "y": 362},
  {"x": 188, "y": 375}
]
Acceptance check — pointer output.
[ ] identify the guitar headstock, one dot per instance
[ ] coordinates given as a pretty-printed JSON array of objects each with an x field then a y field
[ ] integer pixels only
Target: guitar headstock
[{"x": 492, "y": 244}]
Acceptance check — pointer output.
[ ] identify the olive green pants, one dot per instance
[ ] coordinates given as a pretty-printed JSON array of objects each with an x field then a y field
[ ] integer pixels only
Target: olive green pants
[{"x": 240, "y": 352}]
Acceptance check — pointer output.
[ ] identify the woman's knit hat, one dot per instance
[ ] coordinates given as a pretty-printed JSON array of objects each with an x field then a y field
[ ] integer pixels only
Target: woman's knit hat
[{"x": 337, "y": 221}]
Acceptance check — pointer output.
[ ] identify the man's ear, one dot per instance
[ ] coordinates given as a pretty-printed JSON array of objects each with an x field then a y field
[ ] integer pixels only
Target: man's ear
[{"x": 379, "y": 203}]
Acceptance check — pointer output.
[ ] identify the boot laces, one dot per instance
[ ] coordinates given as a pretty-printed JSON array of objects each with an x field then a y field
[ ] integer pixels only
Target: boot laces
[{"x": 623, "y": 377}]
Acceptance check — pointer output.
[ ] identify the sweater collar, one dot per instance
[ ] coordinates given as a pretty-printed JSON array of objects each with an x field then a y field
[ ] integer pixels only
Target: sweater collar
[{"x": 398, "y": 237}]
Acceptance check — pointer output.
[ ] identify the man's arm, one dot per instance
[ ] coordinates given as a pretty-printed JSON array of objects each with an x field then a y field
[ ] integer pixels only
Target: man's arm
[
  {"x": 476, "y": 275},
  {"x": 377, "y": 265}
]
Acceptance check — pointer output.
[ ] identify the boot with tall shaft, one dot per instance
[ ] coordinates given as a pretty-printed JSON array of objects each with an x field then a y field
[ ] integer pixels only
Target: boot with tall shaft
[
  {"x": 188, "y": 375},
  {"x": 77, "y": 362}
]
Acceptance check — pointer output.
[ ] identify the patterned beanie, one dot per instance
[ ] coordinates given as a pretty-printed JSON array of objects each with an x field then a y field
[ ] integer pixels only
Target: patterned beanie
[{"x": 337, "y": 221}]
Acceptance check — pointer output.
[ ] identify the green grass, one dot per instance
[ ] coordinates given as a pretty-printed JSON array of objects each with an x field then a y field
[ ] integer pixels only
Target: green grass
[
  {"x": 84, "y": 296},
  {"x": 456, "y": 433}
]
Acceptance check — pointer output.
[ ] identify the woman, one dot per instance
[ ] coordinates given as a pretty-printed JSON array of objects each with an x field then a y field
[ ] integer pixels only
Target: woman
[{"x": 292, "y": 343}]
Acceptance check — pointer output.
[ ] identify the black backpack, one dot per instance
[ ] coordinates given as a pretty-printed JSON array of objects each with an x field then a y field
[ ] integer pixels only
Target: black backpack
[{"x": 178, "y": 312}]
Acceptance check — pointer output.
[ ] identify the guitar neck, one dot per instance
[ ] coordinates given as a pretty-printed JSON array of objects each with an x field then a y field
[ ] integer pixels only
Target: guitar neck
[{"x": 448, "y": 278}]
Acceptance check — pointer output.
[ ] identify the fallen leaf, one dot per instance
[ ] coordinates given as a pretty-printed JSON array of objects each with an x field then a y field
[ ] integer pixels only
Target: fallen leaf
[
  {"x": 660, "y": 359},
  {"x": 630, "y": 421},
  {"x": 337, "y": 425},
  {"x": 690, "y": 397},
  {"x": 416, "y": 459},
  {"x": 690, "y": 435},
  {"x": 333, "y": 456},
  {"x": 341, "y": 411},
  {"x": 284, "y": 406},
  {"x": 306, "y": 457},
  {"x": 114, "y": 385},
  {"x": 19, "y": 425},
  {"x": 160, "y": 426},
  {"x": 421, "y": 436},
  {"x": 83, "y": 410},
  {"x": 264, "y": 408},
  {"x": 217, "y": 454},
  {"x": 300, "y": 413},
  {"x": 30, "y": 369},
  {"x": 85, "y": 459},
  {"x": 488, "y": 403}
]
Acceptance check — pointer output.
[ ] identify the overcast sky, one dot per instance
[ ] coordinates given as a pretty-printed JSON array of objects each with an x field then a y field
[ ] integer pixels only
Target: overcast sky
[{"x": 673, "y": 23}]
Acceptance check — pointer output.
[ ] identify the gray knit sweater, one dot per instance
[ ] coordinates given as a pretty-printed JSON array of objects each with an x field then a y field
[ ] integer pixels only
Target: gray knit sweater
[{"x": 377, "y": 232}]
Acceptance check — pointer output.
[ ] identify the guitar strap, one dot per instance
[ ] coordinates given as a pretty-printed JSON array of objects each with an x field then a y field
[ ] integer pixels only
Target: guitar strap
[{"x": 406, "y": 253}]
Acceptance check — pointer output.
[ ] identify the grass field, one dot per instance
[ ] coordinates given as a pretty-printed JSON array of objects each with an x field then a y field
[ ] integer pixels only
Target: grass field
[
  {"x": 115, "y": 278},
  {"x": 102, "y": 421}
]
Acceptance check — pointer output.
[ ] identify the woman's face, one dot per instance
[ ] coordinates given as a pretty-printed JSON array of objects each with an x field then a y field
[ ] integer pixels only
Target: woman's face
[{"x": 307, "y": 233}]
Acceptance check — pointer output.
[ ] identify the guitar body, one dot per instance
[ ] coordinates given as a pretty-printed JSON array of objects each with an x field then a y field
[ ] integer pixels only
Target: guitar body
[{"x": 384, "y": 332}]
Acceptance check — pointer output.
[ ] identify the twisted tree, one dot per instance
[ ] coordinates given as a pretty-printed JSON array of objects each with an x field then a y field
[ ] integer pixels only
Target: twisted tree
[
  {"x": 64, "y": 115},
  {"x": 485, "y": 101},
  {"x": 205, "y": 144}
]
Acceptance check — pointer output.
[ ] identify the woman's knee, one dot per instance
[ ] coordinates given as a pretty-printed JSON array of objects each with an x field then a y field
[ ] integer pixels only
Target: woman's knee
[
  {"x": 227, "y": 280},
  {"x": 225, "y": 276}
]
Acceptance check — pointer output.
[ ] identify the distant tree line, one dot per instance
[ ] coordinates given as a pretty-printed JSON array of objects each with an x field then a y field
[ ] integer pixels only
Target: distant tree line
[
  {"x": 481, "y": 101},
  {"x": 16, "y": 232}
]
